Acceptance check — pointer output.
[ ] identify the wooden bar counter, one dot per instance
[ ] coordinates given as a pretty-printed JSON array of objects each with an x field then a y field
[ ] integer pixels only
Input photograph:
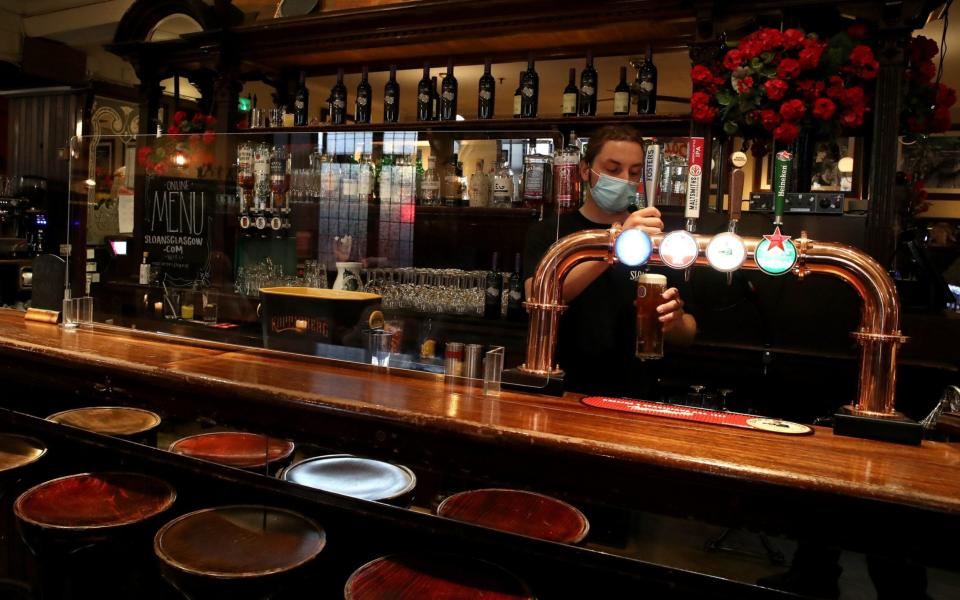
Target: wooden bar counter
[{"x": 852, "y": 491}]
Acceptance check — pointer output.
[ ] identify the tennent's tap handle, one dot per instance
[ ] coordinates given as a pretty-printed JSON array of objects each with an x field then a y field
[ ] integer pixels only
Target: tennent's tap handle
[{"x": 651, "y": 173}]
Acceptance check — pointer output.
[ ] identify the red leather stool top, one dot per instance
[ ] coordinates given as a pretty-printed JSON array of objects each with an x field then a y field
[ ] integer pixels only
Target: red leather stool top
[
  {"x": 94, "y": 500},
  {"x": 109, "y": 420},
  {"x": 518, "y": 511},
  {"x": 233, "y": 542},
  {"x": 415, "y": 577},
  {"x": 234, "y": 448},
  {"x": 19, "y": 451}
]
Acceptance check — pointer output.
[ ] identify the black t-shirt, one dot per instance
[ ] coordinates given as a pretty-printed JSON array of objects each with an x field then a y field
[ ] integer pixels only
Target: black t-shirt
[{"x": 596, "y": 343}]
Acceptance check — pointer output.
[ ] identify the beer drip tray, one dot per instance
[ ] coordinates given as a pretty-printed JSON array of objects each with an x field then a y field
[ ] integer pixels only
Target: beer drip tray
[
  {"x": 515, "y": 379},
  {"x": 899, "y": 430}
]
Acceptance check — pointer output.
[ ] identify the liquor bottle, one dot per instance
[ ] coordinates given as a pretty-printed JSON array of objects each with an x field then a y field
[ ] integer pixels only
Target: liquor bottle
[
  {"x": 391, "y": 97},
  {"x": 451, "y": 183},
  {"x": 492, "y": 297},
  {"x": 518, "y": 98},
  {"x": 621, "y": 95},
  {"x": 464, "y": 186},
  {"x": 570, "y": 94},
  {"x": 430, "y": 184},
  {"x": 503, "y": 183},
  {"x": 301, "y": 103},
  {"x": 144, "y": 270},
  {"x": 529, "y": 90},
  {"x": 515, "y": 310},
  {"x": 434, "y": 100},
  {"x": 647, "y": 95},
  {"x": 588, "y": 89},
  {"x": 365, "y": 177},
  {"x": 364, "y": 98},
  {"x": 425, "y": 96},
  {"x": 278, "y": 176},
  {"x": 338, "y": 101},
  {"x": 386, "y": 178},
  {"x": 487, "y": 94},
  {"x": 448, "y": 95},
  {"x": 479, "y": 188}
]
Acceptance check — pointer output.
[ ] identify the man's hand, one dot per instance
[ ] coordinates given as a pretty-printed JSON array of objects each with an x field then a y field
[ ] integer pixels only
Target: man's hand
[
  {"x": 647, "y": 219},
  {"x": 671, "y": 311}
]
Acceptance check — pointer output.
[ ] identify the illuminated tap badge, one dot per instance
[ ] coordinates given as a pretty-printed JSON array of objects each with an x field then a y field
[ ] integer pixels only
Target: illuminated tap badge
[
  {"x": 726, "y": 252},
  {"x": 776, "y": 254},
  {"x": 678, "y": 249},
  {"x": 633, "y": 247}
]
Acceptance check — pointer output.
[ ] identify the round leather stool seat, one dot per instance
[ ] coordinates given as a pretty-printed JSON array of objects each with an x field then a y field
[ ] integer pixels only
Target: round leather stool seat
[
  {"x": 120, "y": 421},
  {"x": 18, "y": 451},
  {"x": 518, "y": 511},
  {"x": 354, "y": 476},
  {"x": 248, "y": 550},
  {"x": 414, "y": 577},
  {"x": 235, "y": 449}
]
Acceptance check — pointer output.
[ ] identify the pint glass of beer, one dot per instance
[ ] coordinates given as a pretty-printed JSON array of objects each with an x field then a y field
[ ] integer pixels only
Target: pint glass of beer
[{"x": 650, "y": 289}]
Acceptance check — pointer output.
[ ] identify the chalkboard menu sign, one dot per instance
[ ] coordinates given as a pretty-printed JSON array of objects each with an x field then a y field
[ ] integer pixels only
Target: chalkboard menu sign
[{"x": 179, "y": 216}]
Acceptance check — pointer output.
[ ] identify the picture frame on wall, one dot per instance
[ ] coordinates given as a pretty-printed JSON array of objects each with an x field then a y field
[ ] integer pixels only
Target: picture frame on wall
[{"x": 937, "y": 158}]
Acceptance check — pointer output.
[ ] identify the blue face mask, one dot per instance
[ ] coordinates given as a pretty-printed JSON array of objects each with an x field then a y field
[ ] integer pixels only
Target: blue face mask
[{"x": 612, "y": 194}]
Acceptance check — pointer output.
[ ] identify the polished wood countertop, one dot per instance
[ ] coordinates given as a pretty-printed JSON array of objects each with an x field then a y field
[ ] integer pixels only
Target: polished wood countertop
[{"x": 922, "y": 477}]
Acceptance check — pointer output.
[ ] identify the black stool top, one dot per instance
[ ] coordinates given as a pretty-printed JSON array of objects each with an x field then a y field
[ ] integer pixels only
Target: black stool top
[
  {"x": 19, "y": 451},
  {"x": 109, "y": 420},
  {"x": 234, "y": 542},
  {"x": 234, "y": 448},
  {"x": 353, "y": 476},
  {"x": 415, "y": 577},
  {"x": 518, "y": 511},
  {"x": 94, "y": 500}
]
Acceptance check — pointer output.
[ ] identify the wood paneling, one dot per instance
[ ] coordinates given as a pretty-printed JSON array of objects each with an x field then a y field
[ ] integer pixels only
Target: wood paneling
[{"x": 38, "y": 126}]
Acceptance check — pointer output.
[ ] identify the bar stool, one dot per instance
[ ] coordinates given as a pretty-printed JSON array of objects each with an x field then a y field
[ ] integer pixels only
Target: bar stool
[
  {"x": 89, "y": 511},
  {"x": 518, "y": 511},
  {"x": 247, "y": 551},
  {"x": 134, "y": 424},
  {"x": 413, "y": 577},
  {"x": 354, "y": 476},
  {"x": 18, "y": 453},
  {"x": 250, "y": 451}
]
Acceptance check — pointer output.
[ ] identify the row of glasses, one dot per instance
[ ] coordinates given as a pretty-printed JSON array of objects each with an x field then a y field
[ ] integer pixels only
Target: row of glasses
[
  {"x": 304, "y": 185},
  {"x": 451, "y": 291},
  {"x": 252, "y": 278}
]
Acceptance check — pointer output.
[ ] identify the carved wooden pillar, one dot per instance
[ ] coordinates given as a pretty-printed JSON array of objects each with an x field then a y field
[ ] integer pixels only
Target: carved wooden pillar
[{"x": 882, "y": 217}]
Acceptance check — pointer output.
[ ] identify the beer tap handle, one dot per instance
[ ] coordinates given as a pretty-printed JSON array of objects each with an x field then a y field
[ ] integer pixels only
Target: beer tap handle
[{"x": 738, "y": 159}]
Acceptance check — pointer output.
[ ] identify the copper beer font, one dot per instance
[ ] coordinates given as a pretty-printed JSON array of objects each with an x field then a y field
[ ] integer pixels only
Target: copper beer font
[{"x": 879, "y": 333}]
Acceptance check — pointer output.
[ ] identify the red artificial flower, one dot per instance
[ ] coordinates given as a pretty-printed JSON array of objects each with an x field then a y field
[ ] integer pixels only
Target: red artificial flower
[
  {"x": 788, "y": 69},
  {"x": 208, "y": 137},
  {"x": 699, "y": 98},
  {"x": 770, "y": 38},
  {"x": 922, "y": 49},
  {"x": 775, "y": 89},
  {"x": 824, "y": 108},
  {"x": 946, "y": 96},
  {"x": 836, "y": 89},
  {"x": 179, "y": 116},
  {"x": 851, "y": 119},
  {"x": 857, "y": 31},
  {"x": 853, "y": 97},
  {"x": 701, "y": 75},
  {"x": 733, "y": 59},
  {"x": 143, "y": 153},
  {"x": 869, "y": 70},
  {"x": 941, "y": 119},
  {"x": 210, "y": 119},
  {"x": 160, "y": 168},
  {"x": 810, "y": 57},
  {"x": 744, "y": 85},
  {"x": 926, "y": 71},
  {"x": 792, "y": 110},
  {"x": 793, "y": 38},
  {"x": 810, "y": 89},
  {"x": 750, "y": 49},
  {"x": 174, "y": 132},
  {"x": 198, "y": 118},
  {"x": 861, "y": 55},
  {"x": 786, "y": 133},
  {"x": 703, "y": 113},
  {"x": 769, "y": 119}
]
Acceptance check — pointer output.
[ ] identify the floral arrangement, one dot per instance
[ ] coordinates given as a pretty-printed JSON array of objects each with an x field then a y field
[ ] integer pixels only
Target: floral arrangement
[
  {"x": 185, "y": 143},
  {"x": 773, "y": 84},
  {"x": 926, "y": 103}
]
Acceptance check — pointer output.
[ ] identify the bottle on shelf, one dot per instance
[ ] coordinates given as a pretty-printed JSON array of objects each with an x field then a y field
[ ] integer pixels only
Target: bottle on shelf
[
  {"x": 451, "y": 183},
  {"x": 301, "y": 103},
  {"x": 464, "y": 186},
  {"x": 434, "y": 99},
  {"x": 486, "y": 100},
  {"x": 364, "y": 98},
  {"x": 261, "y": 177},
  {"x": 425, "y": 96},
  {"x": 503, "y": 183},
  {"x": 365, "y": 177},
  {"x": 588, "y": 89},
  {"x": 529, "y": 90},
  {"x": 391, "y": 98},
  {"x": 566, "y": 162},
  {"x": 278, "y": 176},
  {"x": 144, "y": 278},
  {"x": 570, "y": 94},
  {"x": 430, "y": 184},
  {"x": 515, "y": 310},
  {"x": 492, "y": 297},
  {"x": 386, "y": 178},
  {"x": 479, "y": 187},
  {"x": 647, "y": 92},
  {"x": 338, "y": 101},
  {"x": 448, "y": 94},
  {"x": 518, "y": 97},
  {"x": 621, "y": 95}
]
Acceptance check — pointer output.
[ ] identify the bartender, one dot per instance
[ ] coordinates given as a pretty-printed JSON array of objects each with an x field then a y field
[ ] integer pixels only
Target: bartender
[{"x": 596, "y": 343}]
